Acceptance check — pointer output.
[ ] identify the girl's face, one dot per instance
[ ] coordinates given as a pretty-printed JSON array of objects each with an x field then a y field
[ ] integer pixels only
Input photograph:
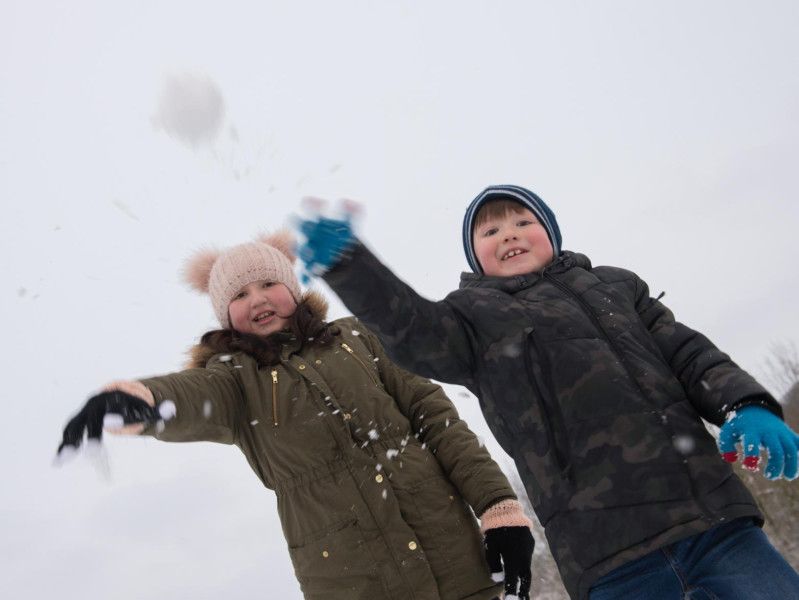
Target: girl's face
[{"x": 261, "y": 308}]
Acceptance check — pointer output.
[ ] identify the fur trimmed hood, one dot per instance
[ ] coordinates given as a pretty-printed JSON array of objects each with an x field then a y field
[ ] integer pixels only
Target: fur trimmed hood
[{"x": 200, "y": 354}]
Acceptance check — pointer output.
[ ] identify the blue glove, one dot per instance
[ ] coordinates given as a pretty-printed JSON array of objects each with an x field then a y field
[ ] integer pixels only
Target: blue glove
[
  {"x": 755, "y": 426},
  {"x": 326, "y": 241}
]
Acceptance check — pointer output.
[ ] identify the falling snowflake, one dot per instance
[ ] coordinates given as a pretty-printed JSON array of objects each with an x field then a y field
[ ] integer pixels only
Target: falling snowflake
[{"x": 684, "y": 444}]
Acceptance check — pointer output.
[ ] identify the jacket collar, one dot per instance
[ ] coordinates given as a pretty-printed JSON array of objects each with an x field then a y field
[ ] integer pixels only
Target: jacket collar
[{"x": 567, "y": 260}]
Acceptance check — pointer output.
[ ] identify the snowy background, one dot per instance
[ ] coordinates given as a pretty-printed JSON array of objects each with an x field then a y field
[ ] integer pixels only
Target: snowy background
[{"x": 664, "y": 135}]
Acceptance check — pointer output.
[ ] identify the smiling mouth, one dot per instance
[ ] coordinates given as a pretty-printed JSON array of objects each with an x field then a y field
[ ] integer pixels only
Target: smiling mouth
[
  {"x": 512, "y": 253},
  {"x": 264, "y": 316}
]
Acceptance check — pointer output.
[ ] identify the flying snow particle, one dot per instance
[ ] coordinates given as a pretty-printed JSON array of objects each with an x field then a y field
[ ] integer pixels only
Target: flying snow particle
[
  {"x": 225, "y": 358},
  {"x": 373, "y": 435},
  {"x": 207, "y": 409},
  {"x": 167, "y": 410},
  {"x": 378, "y": 467},
  {"x": 254, "y": 422},
  {"x": 392, "y": 453},
  {"x": 113, "y": 421},
  {"x": 684, "y": 444},
  {"x": 124, "y": 209},
  {"x": 356, "y": 333},
  {"x": 385, "y": 493},
  {"x": 190, "y": 109},
  {"x": 98, "y": 457}
]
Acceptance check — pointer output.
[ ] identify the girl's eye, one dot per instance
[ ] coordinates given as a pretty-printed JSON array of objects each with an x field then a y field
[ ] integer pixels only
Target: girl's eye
[
  {"x": 268, "y": 284},
  {"x": 239, "y": 296}
]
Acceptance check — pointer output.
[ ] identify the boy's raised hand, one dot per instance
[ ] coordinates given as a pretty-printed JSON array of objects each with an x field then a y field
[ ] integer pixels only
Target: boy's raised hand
[
  {"x": 325, "y": 239},
  {"x": 754, "y": 427}
]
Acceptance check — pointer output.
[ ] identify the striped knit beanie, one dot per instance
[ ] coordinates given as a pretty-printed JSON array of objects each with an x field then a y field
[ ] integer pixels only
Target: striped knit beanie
[
  {"x": 517, "y": 194},
  {"x": 221, "y": 274}
]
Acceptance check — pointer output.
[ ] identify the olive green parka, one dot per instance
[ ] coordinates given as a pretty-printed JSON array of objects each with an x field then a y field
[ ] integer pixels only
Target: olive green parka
[{"x": 374, "y": 472}]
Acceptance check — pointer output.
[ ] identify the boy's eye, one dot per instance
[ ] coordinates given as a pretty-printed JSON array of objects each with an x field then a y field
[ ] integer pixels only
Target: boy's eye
[
  {"x": 489, "y": 231},
  {"x": 525, "y": 222}
]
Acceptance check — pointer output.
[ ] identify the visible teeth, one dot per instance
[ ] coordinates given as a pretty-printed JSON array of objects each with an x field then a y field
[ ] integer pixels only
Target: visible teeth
[
  {"x": 263, "y": 316},
  {"x": 511, "y": 254}
]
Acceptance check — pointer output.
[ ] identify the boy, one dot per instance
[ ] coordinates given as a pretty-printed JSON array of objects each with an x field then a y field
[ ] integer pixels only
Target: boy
[{"x": 596, "y": 392}]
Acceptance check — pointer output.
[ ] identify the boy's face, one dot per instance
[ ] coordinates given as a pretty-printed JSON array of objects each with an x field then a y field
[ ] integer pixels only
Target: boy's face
[
  {"x": 261, "y": 308},
  {"x": 513, "y": 244}
]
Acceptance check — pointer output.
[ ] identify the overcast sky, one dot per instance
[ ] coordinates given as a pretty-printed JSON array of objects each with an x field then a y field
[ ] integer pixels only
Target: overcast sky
[{"x": 665, "y": 137}]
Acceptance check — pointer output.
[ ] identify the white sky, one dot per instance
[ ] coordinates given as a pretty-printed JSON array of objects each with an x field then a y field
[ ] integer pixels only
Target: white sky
[{"x": 663, "y": 135}]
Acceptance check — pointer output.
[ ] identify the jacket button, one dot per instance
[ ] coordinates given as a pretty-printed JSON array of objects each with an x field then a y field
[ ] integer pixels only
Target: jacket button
[
  {"x": 302, "y": 367},
  {"x": 318, "y": 362},
  {"x": 325, "y": 553},
  {"x": 379, "y": 478},
  {"x": 412, "y": 545},
  {"x": 347, "y": 416}
]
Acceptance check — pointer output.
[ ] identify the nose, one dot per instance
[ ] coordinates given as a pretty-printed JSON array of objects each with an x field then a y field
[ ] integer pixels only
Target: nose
[{"x": 509, "y": 236}]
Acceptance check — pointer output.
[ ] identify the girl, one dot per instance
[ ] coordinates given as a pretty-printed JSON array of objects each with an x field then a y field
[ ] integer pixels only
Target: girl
[{"x": 373, "y": 470}]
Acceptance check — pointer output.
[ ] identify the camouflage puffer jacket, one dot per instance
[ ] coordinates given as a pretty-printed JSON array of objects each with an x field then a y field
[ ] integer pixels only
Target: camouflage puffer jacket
[
  {"x": 374, "y": 472},
  {"x": 590, "y": 385}
]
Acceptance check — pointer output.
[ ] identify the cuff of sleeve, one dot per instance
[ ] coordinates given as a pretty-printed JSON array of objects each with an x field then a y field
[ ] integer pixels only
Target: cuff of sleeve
[
  {"x": 762, "y": 400},
  {"x": 506, "y": 513},
  {"x": 132, "y": 387}
]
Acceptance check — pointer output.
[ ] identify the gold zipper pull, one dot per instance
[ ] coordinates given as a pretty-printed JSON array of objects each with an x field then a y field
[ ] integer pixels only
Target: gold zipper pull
[{"x": 274, "y": 396}]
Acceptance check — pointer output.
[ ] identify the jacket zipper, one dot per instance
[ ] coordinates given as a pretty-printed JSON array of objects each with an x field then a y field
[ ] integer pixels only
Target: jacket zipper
[
  {"x": 274, "y": 396},
  {"x": 559, "y": 438},
  {"x": 356, "y": 357},
  {"x": 591, "y": 315}
]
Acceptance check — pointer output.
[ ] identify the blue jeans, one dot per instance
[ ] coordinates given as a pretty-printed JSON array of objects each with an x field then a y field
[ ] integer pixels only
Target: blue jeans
[{"x": 734, "y": 561}]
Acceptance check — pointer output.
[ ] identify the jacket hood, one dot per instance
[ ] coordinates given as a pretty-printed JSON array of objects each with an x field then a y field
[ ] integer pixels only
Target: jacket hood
[
  {"x": 514, "y": 283},
  {"x": 200, "y": 354},
  {"x": 518, "y": 194}
]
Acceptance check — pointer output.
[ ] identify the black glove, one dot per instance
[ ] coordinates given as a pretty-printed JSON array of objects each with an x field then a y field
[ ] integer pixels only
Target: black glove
[
  {"x": 90, "y": 418},
  {"x": 514, "y": 546}
]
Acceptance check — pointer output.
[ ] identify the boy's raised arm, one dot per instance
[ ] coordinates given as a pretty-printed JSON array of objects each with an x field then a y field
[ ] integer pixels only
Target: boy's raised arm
[{"x": 425, "y": 337}]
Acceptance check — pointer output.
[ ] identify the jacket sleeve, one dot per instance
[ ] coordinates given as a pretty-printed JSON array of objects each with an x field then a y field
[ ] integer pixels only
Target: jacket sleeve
[
  {"x": 715, "y": 385},
  {"x": 208, "y": 403},
  {"x": 464, "y": 460},
  {"x": 425, "y": 337}
]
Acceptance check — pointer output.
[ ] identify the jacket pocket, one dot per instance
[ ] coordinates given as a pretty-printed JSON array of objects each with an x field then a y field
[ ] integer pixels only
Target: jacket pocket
[
  {"x": 540, "y": 375},
  {"x": 370, "y": 373},
  {"x": 336, "y": 563},
  {"x": 449, "y": 535}
]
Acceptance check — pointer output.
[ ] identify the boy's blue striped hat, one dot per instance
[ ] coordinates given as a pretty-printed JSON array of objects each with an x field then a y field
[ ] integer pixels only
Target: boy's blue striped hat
[{"x": 518, "y": 194}]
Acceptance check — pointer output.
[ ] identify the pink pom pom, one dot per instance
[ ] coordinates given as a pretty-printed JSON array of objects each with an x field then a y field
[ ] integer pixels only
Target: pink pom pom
[
  {"x": 282, "y": 240},
  {"x": 197, "y": 271}
]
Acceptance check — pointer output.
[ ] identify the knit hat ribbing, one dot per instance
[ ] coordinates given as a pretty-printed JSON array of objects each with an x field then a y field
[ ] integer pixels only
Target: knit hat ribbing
[
  {"x": 221, "y": 274},
  {"x": 518, "y": 194}
]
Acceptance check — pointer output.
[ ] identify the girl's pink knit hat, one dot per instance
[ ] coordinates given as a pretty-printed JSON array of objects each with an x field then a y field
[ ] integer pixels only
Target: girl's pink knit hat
[{"x": 221, "y": 274}]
